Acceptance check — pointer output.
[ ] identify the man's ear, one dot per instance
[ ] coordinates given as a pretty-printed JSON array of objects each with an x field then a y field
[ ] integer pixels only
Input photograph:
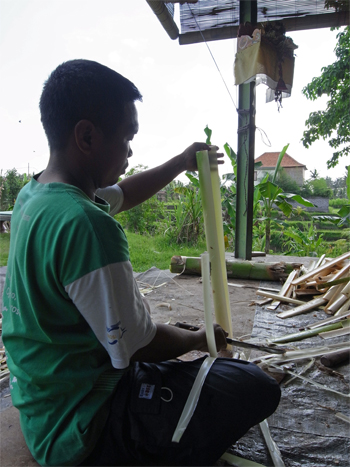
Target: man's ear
[{"x": 84, "y": 133}]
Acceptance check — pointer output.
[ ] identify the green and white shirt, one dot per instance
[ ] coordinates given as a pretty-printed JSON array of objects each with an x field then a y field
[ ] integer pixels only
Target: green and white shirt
[{"x": 72, "y": 317}]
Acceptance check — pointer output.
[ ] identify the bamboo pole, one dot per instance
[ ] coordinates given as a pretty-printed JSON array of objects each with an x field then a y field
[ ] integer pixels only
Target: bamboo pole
[
  {"x": 211, "y": 199},
  {"x": 236, "y": 269}
]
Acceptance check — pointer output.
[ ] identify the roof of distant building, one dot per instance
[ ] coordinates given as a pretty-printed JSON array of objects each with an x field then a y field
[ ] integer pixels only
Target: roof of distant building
[{"x": 269, "y": 160}]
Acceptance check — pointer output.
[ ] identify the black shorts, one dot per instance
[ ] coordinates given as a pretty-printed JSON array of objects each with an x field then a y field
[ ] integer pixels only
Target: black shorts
[{"x": 149, "y": 400}]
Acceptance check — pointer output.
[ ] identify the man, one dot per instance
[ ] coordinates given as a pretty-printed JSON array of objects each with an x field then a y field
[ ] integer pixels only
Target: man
[{"x": 90, "y": 371}]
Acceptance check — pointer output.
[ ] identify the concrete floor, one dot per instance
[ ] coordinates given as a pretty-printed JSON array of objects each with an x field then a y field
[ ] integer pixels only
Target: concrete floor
[{"x": 179, "y": 300}]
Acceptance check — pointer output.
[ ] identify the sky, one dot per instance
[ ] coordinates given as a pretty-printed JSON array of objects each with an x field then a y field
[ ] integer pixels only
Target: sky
[{"x": 181, "y": 86}]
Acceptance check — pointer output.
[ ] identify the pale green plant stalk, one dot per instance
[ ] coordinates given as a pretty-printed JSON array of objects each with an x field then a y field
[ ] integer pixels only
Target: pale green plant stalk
[{"x": 215, "y": 239}]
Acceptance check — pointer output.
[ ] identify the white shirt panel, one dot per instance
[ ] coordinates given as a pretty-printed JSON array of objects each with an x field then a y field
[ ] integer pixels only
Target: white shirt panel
[
  {"x": 110, "y": 301},
  {"x": 114, "y": 196}
]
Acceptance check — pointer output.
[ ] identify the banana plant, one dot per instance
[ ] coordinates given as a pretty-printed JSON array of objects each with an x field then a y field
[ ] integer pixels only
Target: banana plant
[
  {"x": 303, "y": 243},
  {"x": 185, "y": 223},
  {"x": 270, "y": 195}
]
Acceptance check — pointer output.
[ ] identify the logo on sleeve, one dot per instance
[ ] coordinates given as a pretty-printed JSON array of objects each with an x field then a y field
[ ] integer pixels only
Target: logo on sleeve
[{"x": 115, "y": 332}]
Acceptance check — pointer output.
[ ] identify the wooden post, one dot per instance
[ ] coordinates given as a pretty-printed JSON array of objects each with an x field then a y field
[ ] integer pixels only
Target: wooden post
[{"x": 245, "y": 153}]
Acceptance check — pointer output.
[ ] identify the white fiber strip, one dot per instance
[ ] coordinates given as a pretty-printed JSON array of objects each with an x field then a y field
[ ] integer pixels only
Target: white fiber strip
[
  {"x": 275, "y": 453},
  {"x": 236, "y": 461},
  {"x": 192, "y": 399},
  {"x": 209, "y": 328}
]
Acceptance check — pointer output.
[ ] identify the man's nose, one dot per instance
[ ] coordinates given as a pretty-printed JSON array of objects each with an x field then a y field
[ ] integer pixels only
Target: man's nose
[{"x": 130, "y": 153}]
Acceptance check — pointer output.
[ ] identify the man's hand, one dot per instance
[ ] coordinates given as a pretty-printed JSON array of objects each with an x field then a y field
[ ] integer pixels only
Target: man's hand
[
  {"x": 220, "y": 339},
  {"x": 142, "y": 186},
  {"x": 189, "y": 155}
]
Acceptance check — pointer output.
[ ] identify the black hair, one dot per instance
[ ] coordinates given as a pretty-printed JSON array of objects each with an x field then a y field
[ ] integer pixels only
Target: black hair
[{"x": 83, "y": 89}]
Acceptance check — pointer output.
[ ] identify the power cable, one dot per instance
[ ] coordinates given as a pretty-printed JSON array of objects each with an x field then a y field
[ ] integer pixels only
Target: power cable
[{"x": 217, "y": 67}]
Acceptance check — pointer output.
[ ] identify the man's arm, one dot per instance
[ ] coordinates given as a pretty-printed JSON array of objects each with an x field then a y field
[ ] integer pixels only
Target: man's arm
[
  {"x": 171, "y": 342},
  {"x": 142, "y": 186}
]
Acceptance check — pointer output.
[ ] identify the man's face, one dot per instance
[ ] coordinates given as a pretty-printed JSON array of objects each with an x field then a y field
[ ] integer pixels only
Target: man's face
[{"x": 117, "y": 150}]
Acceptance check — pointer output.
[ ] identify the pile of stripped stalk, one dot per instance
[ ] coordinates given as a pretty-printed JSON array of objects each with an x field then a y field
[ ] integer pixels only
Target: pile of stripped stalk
[
  {"x": 327, "y": 281},
  {"x": 4, "y": 371}
]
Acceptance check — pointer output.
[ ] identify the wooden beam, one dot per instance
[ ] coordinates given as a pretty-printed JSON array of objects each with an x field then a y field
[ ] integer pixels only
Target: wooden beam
[
  {"x": 165, "y": 18},
  {"x": 326, "y": 20},
  {"x": 216, "y": 34}
]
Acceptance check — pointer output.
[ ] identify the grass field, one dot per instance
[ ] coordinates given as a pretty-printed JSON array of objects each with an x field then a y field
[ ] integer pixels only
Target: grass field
[
  {"x": 4, "y": 248},
  {"x": 145, "y": 251}
]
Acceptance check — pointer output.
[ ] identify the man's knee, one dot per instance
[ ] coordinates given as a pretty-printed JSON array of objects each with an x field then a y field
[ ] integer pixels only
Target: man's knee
[{"x": 268, "y": 392}]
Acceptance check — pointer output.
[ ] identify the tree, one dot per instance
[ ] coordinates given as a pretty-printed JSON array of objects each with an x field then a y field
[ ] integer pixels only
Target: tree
[
  {"x": 10, "y": 186},
  {"x": 314, "y": 174},
  {"x": 319, "y": 187},
  {"x": 145, "y": 218},
  {"x": 334, "y": 122}
]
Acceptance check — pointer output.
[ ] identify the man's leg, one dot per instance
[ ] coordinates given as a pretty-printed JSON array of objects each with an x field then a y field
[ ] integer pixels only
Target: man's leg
[{"x": 149, "y": 401}]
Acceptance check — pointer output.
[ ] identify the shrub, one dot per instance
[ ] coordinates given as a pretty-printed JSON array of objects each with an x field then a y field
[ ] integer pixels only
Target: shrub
[
  {"x": 319, "y": 187},
  {"x": 338, "y": 202},
  {"x": 287, "y": 183},
  {"x": 333, "y": 235},
  {"x": 334, "y": 249},
  {"x": 144, "y": 218}
]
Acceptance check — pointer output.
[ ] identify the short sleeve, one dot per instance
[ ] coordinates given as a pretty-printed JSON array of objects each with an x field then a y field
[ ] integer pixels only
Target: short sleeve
[{"x": 114, "y": 196}]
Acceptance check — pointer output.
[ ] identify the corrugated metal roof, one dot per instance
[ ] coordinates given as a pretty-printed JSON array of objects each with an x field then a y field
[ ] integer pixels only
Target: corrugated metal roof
[
  {"x": 212, "y": 20},
  {"x": 212, "y": 14},
  {"x": 269, "y": 159}
]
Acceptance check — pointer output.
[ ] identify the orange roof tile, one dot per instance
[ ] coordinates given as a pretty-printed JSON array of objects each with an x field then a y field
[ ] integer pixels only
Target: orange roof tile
[{"x": 269, "y": 159}]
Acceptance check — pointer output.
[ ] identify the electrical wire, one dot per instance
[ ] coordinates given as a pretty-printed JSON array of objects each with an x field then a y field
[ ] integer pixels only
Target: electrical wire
[
  {"x": 223, "y": 80},
  {"x": 212, "y": 56}
]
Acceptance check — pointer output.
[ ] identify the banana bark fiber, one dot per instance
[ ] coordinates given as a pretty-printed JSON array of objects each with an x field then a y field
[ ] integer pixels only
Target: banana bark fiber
[
  {"x": 236, "y": 269},
  {"x": 211, "y": 201}
]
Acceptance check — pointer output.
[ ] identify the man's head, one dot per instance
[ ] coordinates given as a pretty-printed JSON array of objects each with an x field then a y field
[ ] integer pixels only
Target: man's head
[{"x": 84, "y": 90}]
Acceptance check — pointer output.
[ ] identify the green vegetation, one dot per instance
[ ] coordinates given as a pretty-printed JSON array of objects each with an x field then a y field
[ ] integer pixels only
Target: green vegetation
[
  {"x": 334, "y": 122},
  {"x": 10, "y": 185},
  {"x": 158, "y": 230},
  {"x": 148, "y": 251},
  {"x": 4, "y": 248},
  {"x": 145, "y": 250},
  {"x": 268, "y": 193}
]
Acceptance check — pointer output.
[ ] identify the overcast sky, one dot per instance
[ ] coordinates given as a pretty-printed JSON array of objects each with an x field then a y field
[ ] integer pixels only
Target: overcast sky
[{"x": 182, "y": 89}]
